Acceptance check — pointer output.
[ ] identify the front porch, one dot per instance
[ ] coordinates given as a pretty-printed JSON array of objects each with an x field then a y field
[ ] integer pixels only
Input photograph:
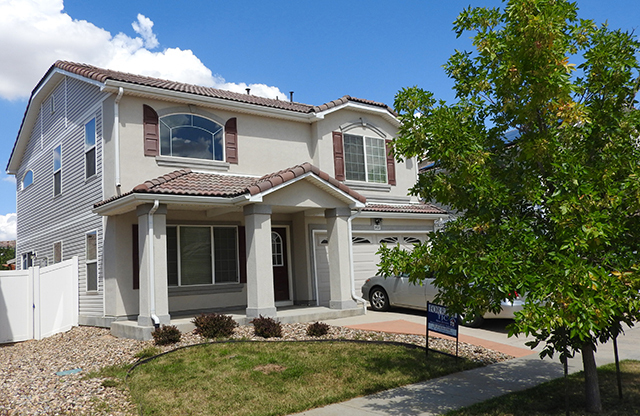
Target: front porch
[{"x": 288, "y": 314}]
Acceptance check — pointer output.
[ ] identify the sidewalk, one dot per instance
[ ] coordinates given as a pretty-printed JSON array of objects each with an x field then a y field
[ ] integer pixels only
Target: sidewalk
[{"x": 462, "y": 389}]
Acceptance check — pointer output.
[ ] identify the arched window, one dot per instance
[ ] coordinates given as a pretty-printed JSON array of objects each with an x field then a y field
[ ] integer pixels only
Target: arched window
[
  {"x": 277, "y": 252},
  {"x": 27, "y": 179},
  {"x": 188, "y": 135}
]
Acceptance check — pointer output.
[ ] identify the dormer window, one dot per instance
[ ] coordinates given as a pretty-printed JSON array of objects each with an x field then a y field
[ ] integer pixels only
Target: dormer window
[{"x": 188, "y": 135}]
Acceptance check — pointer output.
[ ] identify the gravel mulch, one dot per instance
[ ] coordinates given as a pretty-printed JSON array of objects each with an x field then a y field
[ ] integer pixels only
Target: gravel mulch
[{"x": 29, "y": 384}]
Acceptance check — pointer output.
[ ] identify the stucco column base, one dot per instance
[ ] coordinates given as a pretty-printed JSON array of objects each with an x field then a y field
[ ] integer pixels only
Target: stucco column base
[
  {"x": 148, "y": 321},
  {"x": 266, "y": 312},
  {"x": 343, "y": 304}
]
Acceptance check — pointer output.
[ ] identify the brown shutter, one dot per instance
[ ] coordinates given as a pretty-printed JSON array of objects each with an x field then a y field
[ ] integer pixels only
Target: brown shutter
[
  {"x": 231, "y": 140},
  {"x": 391, "y": 165},
  {"x": 135, "y": 256},
  {"x": 151, "y": 135},
  {"x": 242, "y": 254},
  {"x": 338, "y": 156}
]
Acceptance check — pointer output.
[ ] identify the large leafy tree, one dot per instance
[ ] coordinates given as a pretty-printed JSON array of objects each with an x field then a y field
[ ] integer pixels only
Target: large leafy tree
[{"x": 540, "y": 156}]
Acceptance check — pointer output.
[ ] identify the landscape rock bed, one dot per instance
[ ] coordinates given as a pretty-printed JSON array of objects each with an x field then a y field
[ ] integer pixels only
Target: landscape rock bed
[{"x": 29, "y": 384}]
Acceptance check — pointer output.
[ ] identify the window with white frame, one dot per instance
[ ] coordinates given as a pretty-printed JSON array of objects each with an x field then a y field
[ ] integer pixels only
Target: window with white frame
[
  {"x": 188, "y": 135},
  {"x": 57, "y": 252},
  {"x": 90, "y": 148},
  {"x": 202, "y": 255},
  {"x": 57, "y": 170},
  {"x": 277, "y": 249},
  {"x": 27, "y": 179},
  {"x": 27, "y": 260},
  {"x": 91, "y": 261},
  {"x": 365, "y": 159}
]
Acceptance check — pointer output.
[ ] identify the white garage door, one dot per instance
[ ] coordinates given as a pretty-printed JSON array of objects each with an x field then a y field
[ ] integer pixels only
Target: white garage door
[{"x": 365, "y": 259}]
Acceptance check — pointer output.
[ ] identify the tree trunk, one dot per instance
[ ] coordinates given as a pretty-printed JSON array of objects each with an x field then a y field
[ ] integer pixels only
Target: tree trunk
[{"x": 591, "y": 385}]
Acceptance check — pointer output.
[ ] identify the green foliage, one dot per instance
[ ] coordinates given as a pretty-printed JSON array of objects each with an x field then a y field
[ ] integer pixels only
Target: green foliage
[
  {"x": 551, "y": 211},
  {"x": 6, "y": 254},
  {"x": 266, "y": 327},
  {"x": 214, "y": 325},
  {"x": 147, "y": 352},
  {"x": 317, "y": 329},
  {"x": 166, "y": 335}
]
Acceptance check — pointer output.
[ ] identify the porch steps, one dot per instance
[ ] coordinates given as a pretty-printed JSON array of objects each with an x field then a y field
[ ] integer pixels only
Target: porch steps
[{"x": 287, "y": 315}]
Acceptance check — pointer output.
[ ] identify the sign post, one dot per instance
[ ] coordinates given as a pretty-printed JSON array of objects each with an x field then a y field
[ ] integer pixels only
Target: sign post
[{"x": 439, "y": 320}]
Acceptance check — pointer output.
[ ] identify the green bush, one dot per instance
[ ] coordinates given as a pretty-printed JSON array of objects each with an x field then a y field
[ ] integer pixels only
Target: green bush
[
  {"x": 266, "y": 327},
  {"x": 214, "y": 325},
  {"x": 317, "y": 329},
  {"x": 166, "y": 335}
]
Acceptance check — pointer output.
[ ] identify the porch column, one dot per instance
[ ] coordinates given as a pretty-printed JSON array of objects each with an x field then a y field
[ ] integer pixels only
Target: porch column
[
  {"x": 339, "y": 258},
  {"x": 260, "y": 293},
  {"x": 153, "y": 265}
]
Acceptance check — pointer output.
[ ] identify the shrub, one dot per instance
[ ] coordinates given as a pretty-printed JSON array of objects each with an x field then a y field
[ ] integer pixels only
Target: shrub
[
  {"x": 266, "y": 327},
  {"x": 166, "y": 334},
  {"x": 317, "y": 329},
  {"x": 214, "y": 325}
]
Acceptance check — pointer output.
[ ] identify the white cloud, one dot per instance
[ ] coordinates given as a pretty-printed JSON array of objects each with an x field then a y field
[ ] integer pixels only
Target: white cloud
[
  {"x": 7, "y": 227},
  {"x": 36, "y": 33}
]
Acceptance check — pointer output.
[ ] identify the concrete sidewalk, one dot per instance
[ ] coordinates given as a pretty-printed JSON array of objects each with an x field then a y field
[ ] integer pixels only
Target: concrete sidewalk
[{"x": 462, "y": 389}]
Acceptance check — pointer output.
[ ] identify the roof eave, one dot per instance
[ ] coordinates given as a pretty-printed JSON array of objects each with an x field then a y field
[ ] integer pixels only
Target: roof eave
[
  {"x": 404, "y": 215},
  {"x": 222, "y": 103},
  {"x": 130, "y": 202},
  {"x": 383, "y": 112}
]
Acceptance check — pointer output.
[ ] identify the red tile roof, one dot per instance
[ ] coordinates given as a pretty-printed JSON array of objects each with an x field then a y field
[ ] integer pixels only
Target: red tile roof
[
  {"x": 405, "y": 208},
  {"x": 102, "y": 75},
  {"x": 187, "y": 182}
]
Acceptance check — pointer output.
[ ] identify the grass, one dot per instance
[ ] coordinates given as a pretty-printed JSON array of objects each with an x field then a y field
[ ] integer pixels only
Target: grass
[
  {"x": 277, "y": 378},
  {"x": 549, "y": 398}
]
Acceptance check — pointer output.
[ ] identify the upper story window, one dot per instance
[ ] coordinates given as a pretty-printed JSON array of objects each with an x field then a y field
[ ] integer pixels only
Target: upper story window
[
  {"x": 365, "y": 159},
  {"x": 188, "y": 135},
  {"x": 27, "y": 179},
  {"x": 57, "y": 170},
  {"x": 90, "y": 148}
]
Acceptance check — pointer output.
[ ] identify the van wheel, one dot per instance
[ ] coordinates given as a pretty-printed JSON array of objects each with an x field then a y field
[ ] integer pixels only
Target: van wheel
[
  {"x": 379, "y": 299},
  {"x": 475, "y": 322}
]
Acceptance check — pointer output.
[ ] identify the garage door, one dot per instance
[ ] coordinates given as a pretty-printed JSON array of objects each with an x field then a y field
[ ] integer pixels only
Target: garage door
[{"x": 365, "y": 259}]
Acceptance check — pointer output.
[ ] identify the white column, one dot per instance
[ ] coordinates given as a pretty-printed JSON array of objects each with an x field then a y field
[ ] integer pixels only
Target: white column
[
  {"x": 339, "y": 258},
  {"x": 260, "y": 293},
  {"x": 153, "y": 265}
]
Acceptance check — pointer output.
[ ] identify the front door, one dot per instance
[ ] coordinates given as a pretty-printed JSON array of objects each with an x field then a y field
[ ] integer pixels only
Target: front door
[{"x": 280, "y": 264}]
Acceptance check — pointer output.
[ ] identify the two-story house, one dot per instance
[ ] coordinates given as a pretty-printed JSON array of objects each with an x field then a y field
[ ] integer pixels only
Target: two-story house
[{"x": 179, "y": 198}]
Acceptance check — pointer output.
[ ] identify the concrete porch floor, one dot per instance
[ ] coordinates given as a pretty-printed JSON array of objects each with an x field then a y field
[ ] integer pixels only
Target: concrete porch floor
[{"x": 287, "y": 315}]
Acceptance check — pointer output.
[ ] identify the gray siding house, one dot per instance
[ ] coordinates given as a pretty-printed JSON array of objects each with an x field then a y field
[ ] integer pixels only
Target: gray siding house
[{"x": 179, "y": 199}]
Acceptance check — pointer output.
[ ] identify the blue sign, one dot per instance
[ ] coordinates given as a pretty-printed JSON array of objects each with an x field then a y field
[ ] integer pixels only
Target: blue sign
[{"x": 439, "y": 320}]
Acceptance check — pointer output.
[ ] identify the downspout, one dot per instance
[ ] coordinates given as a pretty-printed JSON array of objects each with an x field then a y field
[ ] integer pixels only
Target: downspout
[
  {"x": 116, "y": 142},
  {"x": 152, "y": 277},
  {"x": 354, "y": 296}
]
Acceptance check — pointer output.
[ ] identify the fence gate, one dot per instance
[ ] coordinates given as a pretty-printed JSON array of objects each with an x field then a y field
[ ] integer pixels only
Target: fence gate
[{"x": 38, "y": 302}]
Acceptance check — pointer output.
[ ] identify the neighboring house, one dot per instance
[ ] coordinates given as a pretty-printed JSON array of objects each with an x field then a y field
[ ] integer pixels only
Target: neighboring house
[{"x": 179, "y": 199}]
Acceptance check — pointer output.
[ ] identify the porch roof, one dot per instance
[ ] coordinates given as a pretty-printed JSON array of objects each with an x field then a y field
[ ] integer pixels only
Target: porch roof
[{"x": 226, "y": 189}]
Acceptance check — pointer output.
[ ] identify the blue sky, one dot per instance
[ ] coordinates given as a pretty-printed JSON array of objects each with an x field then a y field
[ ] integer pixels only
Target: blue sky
[{"x": 320, "y": 50}]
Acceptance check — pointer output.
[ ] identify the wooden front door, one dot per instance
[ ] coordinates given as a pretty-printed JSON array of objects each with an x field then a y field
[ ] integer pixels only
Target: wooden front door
[{"x": 280, "y": 264}]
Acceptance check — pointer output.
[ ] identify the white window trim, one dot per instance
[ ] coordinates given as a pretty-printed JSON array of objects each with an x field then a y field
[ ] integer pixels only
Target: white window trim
[
  {"x": 213, "y": 260},
  {"x": 213, "y": 162},
  {"x": 91, "y": 261},
  {"x": 88, "y": 149},
  {"x": 366, "y": 163},
  {"x": 24, "y": 176},
  {"x": 59, "y": 170}
]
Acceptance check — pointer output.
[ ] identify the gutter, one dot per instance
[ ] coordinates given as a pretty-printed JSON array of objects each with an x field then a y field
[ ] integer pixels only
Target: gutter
[
  {"x": 152, "y": 272},
  {"x": 354, "y": 296},
  {"x": 116, "y": 116}
]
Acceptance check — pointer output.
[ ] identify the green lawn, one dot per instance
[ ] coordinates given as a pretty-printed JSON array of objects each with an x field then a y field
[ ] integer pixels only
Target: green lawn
[
  {"x": 276, "y": 378},
  {"x": 549, "y": 398}
]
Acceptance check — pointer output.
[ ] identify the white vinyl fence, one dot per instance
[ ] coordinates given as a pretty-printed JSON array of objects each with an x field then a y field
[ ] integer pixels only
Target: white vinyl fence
[{"x": 38, "y": 302}]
